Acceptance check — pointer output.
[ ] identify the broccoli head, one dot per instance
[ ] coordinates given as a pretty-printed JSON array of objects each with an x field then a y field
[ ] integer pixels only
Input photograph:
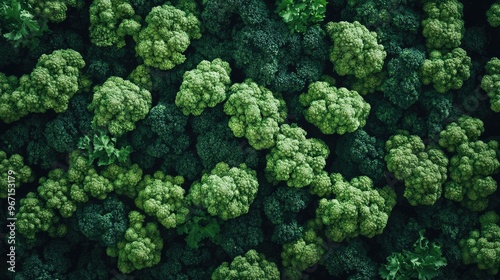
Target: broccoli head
[
  {"x": 358, "y": 208},
  {"x": 50, "y": 85},
  {"x": 225, "y": 192},
  {"x": 204, "y": 86},
  {"x": 118, "y": 104},
  {"x": 255, "y": 113},
  {"x": 355, "y": 49},
  {"x": 334, "y": 110},
  {"x": 166, "y": 36},
  {"x": 482, "y": 247},
  {"x": 163, "y": 197},
  {"x": 423, "y": 170},
  {"x": 490, "y": 82},
  {"x": 251, "y": 265}
]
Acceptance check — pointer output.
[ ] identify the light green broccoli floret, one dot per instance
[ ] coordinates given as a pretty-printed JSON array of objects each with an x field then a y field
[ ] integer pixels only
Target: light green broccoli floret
[
  {"x": 493, "y": 14},
  {"x": 355, "y": 49},
  {"x": 55, "y": 190},
  {"x": 334, "y": 110},
  {"x": 203, "y": 87},
  {"x": 141, "y": 246},
  {"x": 358, "y": 208},
  {"x": 251, "y": 265},
  {"x": 225, "y": 192},
  {"x": 491, "y": 82},
  {"x": 50, "y": 85},
  {"x": 79, "y": 167},
  {"x": 34, "y": 216},
  {"x": 97, "y": 185},
  {"x": 118, "y": 104},
  {"x": 472, "y": 164},
  {"x": 53, "y": 10},
  {"x": 464, "y": 129},
  {"x": 162, "y": 196},
  {"x": 141, "y": 76},
  {"x": 443, "y": 27},
  {"x": 446, "y": 71},
  {"x": 470, "y": 171},
  {"x": 295, "y": 158},
  {"x": 125, "y": 179},
  {"x": 166, "y": 36},
  {"x": 302, "y": 253},
  {"x": 111, "y": 21},
  {"x": 423, "y": 169},
  {"x": 14, "y": 173},
  {"x": 255, "y": 113},
  {"x": 482, "y": 247}
]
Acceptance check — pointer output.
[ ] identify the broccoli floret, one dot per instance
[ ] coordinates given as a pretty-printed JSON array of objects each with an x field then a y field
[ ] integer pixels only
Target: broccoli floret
[
  {"x": 334, "y": 110},
  {"x": 166, "y": 36},
  {"x": 355, "y": 49}
]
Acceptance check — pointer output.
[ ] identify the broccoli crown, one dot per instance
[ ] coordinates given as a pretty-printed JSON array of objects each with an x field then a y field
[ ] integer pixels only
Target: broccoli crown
[
  {"x": 118, "y": 104},
  {"x": 360, "y": 152},
  {"x": 403, "y": 86},
  {"x": 493, "y": 14},
  {"x": 225, "y": 192},
  {"x": 203, "y": 87},
  {"x": 110, "y": 21},
  {"x": 54, "y": 11},
  {"x": 103, "y": 222},
  {"x": 490, "y": 82},
  {"x": 357, "y": 209},
  {"x": 482, "y": 247},
  {"x": 255, "y": 113},
  {"x": 302, "y": 253},
  {"x": 423, "y": 170},
  {"x": 13, "y": 167},
  {"x": 251, "y": 265},
  {"x": 141, "y": 247},
  {"x": 50, "y": 85},
  {"x": 472, "y": 165},
  {"x": 334, "y": 110},
  {"x": 443, "y": 27},
  {"x": 163, "y": 197},
  {"x": 295, "y": 158},
  {"x": 355, "y": 49},
  {"x": 166, "y": 36},
  {"x": 446, "y": 70},
  {"x": 34, "y": 216}
]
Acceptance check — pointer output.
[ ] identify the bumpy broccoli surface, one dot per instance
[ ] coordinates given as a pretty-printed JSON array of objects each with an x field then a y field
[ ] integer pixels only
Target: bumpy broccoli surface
[
  {"x": 226, "y": 192},
  {"x": 491, "y": 81},
  {"x": 255, "y": 113},
  {"x": 141, "y": 246},
  {"x": 443, "y": 27},
  {"x": 162, "y": 196},
  {"x": 295, "y": 158},
  {"x": 118, "y": 104},
  {"x": 357, "y": 209},
  {"x": 482, "y": 247},
  {"x": 15, "y": 173},
  {"x": 204, "y": 86},
  {"x": 472, "y": 165},
  {"x": 50, "y": 85},
  {"x": 167, "y": 35},
  {"x": 251, "y": 265},
  {"x": 334, "y": 110},
  {"x": 446, "y": 70},
  {"x": 110, "y": 21},
  {"x": 355, "y": 49},
  {"x": 423, "y": 170}
]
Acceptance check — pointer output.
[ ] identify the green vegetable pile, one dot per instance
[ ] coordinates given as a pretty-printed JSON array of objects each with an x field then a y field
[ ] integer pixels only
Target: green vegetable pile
[{"x": 250, "y": 139}]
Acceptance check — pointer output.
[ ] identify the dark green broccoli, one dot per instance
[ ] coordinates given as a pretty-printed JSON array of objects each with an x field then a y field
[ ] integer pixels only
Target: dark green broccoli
[{"x": 104, "y": 222}]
